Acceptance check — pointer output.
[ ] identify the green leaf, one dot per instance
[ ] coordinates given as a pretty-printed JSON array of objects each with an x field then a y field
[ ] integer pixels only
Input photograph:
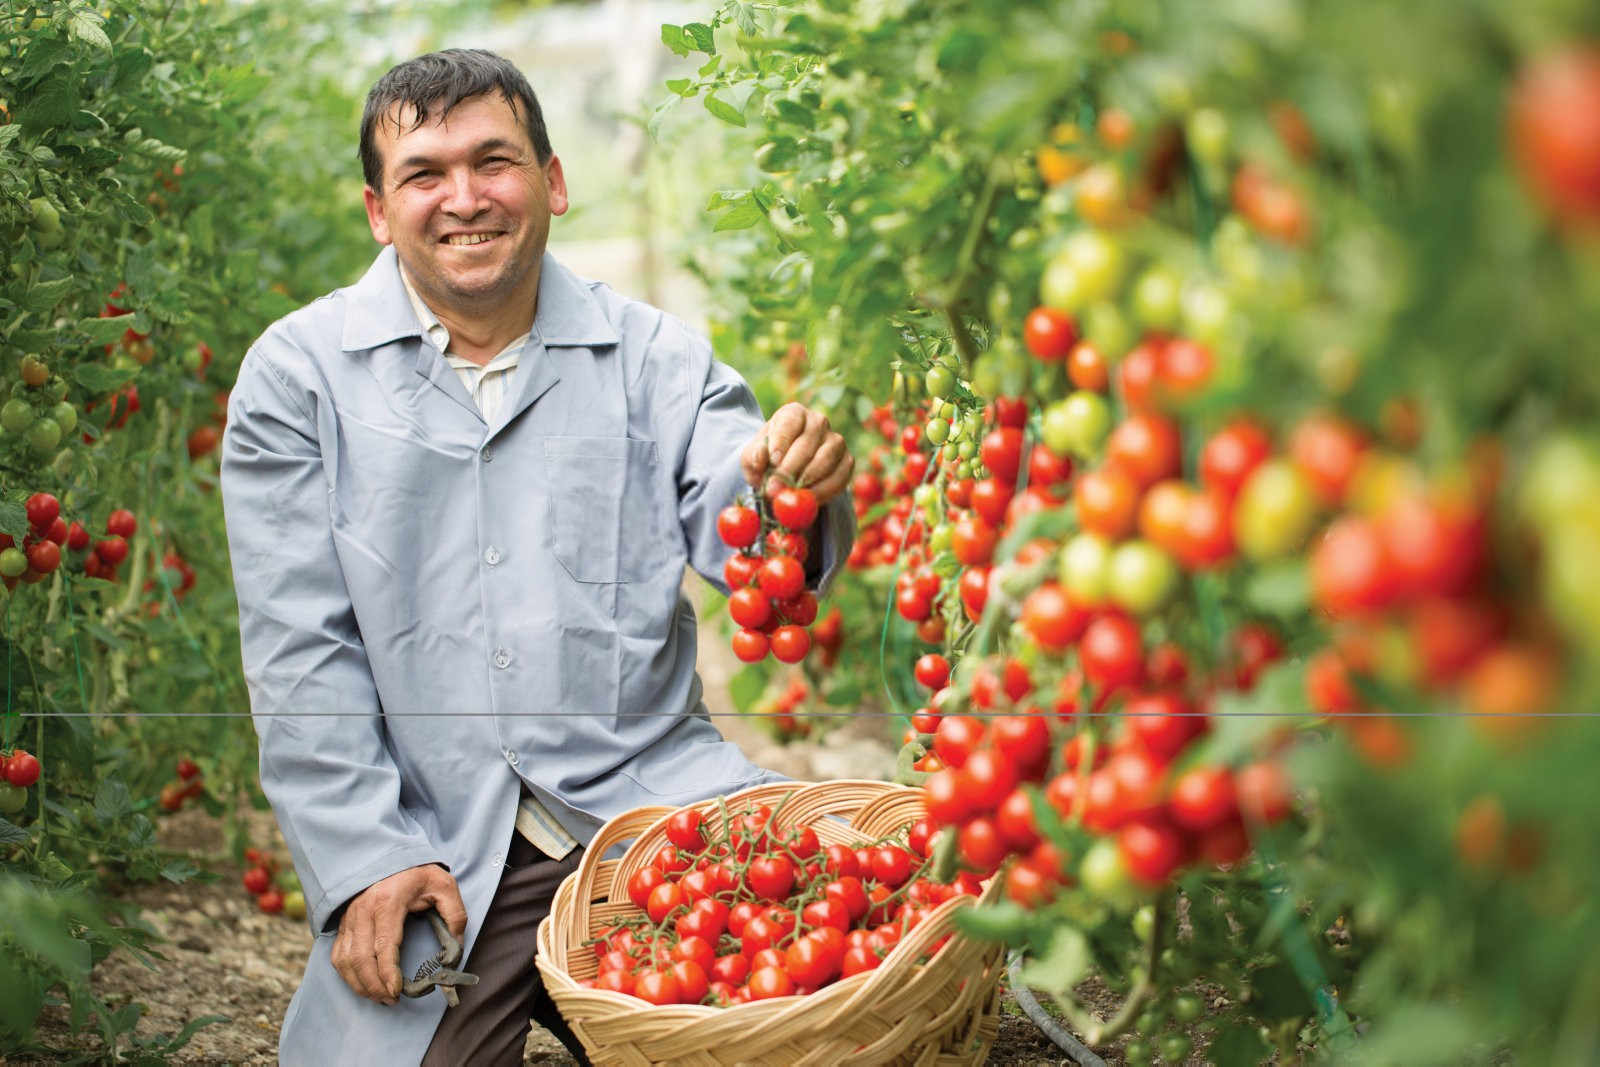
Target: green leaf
[
  {"x": 13, "y": 520},
  {"x": 85, "y": 25},
  {"x": 179, "y": 871},
  {"x": 99, "y": 378},
  {"x": 1003, "y": 921},
  {"x": 42, "y": 296},
  {"x": 1063, "y": 965},
  {"x": 700, "y": 34},
  {"x": 747, "y": 686},
  {"x": 1281, "y": 589},
  {"x": 673, "y": 37},
  {"x": 1238, "y": 1044},
  {"x": 11, "y": 833},
  {"x": 103, "y": 331},
  {"x": 112, "y": 800},
  {"x": 8, "y": 133},
  {"x": 735, "y": 210},
  {"x": 680, "y": 86},
  {"x": 724, "y": 110},
  {"x": 1278, "y": 993}
]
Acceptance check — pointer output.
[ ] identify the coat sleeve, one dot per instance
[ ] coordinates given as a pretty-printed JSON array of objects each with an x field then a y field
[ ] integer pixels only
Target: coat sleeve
[
  {"x": 726, "y": 416},
  {"x": 325, "y": 763}
]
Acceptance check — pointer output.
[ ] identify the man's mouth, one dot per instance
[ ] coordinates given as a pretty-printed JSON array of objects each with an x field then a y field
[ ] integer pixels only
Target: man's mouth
[{"x": 463, "y": 240}]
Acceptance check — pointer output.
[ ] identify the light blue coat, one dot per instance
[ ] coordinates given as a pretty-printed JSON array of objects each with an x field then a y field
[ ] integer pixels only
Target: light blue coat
[{"x": 433, "y": 610}]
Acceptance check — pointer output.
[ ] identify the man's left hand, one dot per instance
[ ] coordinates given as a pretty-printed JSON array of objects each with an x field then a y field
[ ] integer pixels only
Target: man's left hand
[{"x": 797, "y": 444}]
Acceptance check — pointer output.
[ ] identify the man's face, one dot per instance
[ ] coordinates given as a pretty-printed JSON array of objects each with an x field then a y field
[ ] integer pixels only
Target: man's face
[{"x": 465, "y": 203}]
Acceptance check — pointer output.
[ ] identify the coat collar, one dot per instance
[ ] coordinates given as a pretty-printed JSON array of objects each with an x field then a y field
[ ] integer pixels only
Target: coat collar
[{"x": 378, "y": 311}]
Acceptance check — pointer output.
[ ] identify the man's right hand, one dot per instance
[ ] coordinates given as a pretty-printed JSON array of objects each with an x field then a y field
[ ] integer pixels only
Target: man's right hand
[{"x": 366, "y": 951}]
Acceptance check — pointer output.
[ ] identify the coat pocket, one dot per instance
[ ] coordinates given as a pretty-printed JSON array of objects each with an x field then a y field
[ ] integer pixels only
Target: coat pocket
[{"x": 607, "y": 515}]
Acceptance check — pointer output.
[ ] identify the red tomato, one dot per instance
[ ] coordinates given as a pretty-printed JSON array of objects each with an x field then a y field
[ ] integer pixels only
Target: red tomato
[
  {"x": 1011, "y": 411},
  {"x": 664, "y": 899},
  {"x": 643, "y": 883},
  {"x": 988, "y": 776},
  {"x": 1001, "y": 452},
  {"x": 1434, "y": 549},
  {"x": 738, "y": 526},
  {"x": 1225, "y": 845},
  {"x": 1087, "y": 368},
  {"x": 1138, "y": 373},
  {"x": 257, "y": 880},
  {"x": 42, "y": 510},
  {"x": 759, "y": 933},
  {"x": 740, "y": 570},
  {"x": 733, "y": 968},
  {"x": 801, "y": 611},
  {"x": 697, "y": 950},
  {"x": 790, "y": 644},
  {"x": 77, "y": 537},
  {"x": 1049, "y": 334},
  {"x": 1203, "y": 797},
  {"x": 1206, "y": 539},
  {"x": 980, "y": 844},
  {"x": 1147, "y": 447},
  {"x": 957, "y": 738},
  {"x": 1256, "y": 646},
  {"x": 1161, "y": 723},
  {"x": 815, "y": 959},
  {"x": 1167, "y": 665},
  {"x": 121, "y": 523},
  {"x": 1448, "y": 636},
  {"x": 1111, "y": 652},
  {"x": 1014, "y": 821},
  {"x": 932, "y": 671},
  {"x": 1351, "y": 571},
  {"x": 693, "y": 985},
  {"x": 1555, "y": 130},
  {"x": 44, "y": 556},
  {"x": 1185, "y": 368},
  {"x": 1152, "y": 851},
  {"x": 990, "y": 498},
  {"x": 788, "y": 543},
  {"x": 1023, "y": 739},
  {"x": 972, "y": 540},
  {"x": 781, "y": 577},
  {"x": 670, "y": 860},
  {"x": 1052, "y": 619},
  {"x": 857, "y": 960},
  {"x": 795, "y": 508},
  {"x": 658, "y": 987},
  {"x": 840, "y": 860},
  {"x": 750, "y": 646},
  {"x": 826, "y": 912},
  {"x": 615, "y": 981},
  {"x": 891, "y": 865},
  {"x": 1107, "y": 501},
  {"x": 770, "y": 877},
  {"x": 1231, "y": 454},
  {"x": 1046, "y": 468},
  {"x": 686, "y": 829},
  {"x": 1326, "y": 449},
  {"x": 848, "y": 891},
  {"x": 750, "y": 607},
  {"x": 945, "y": 797},
  {"x": 1264, "y": 793},
  {"x": 1030, "y": 887},
  {"x": 1328, "y": 687},
  {"x": 770, "y": 982}
]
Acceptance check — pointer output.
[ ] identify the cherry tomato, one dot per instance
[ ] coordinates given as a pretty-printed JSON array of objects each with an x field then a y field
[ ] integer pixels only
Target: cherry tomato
[
  {"x": 738, "y": 526},
  {"x": 1263, "y": 792},
  {"x": 1351, "y": 571},
  {"x": 847, "y": 891},
  {"x": 658, "y": 987},
  {"x": 891, "y": 865},
  {"x": 750, "y": 607},
  {"x": 663, "y": 900},
  {"x": 770, "y": 982},
  {"x": 957, "y": 738},
  {"x": 932, "y": 671},
  {"x": 1001, "y": 452},
  {"x": 795, "y": 508},
  {"x": 1111, "y": 652},
  {"x": 686, "y": 829},
  {"x": 1326, "y": 449},
  {"x": 781, "y": 577},
  {"x": 1203, "y": 797},
  {"x": 1229, "y": 456},
  {"x": 750, "y": 646},
  {"x": 42, "y": 510},
  {"x": 121, "y": 523},
  {"x": 1049, "y": 334},
  {"x": 790, "y": 644},
  {"x": 1107, "y": 500},
  {"x": 1087, "y": 367},
  {"x": 1152, "y": 851},
  {"x": 1554, "y": 131},
  {"x": 770, "y": 877},
  {"x": 1147, "y": 447},
  {"x": 642, "y": 883},
  {"x": 990, "y": 498}
]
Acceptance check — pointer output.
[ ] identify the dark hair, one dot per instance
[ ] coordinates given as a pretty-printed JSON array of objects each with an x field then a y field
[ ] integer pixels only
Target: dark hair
[{"x": 447, "y": 78}]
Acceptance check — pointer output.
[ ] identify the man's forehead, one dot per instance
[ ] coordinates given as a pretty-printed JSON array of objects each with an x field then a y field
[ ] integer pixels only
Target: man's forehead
[{"x": 401, "y": 118}]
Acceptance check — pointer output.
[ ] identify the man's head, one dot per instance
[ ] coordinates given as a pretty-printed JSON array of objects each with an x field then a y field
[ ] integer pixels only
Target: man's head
[{"x": 460, "y": 177}]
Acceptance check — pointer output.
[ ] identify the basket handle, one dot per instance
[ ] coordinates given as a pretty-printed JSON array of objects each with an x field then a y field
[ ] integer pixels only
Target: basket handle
[{"x": 623, "y": 828}]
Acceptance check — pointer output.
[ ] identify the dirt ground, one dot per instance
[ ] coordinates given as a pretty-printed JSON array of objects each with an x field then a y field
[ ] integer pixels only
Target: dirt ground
[{"x": 224, "y": 957}]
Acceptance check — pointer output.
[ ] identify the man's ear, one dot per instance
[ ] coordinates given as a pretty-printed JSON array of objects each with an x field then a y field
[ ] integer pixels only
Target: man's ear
[
  {"x": 558, "y": 186},
  {"x": 377, "y": 217}
]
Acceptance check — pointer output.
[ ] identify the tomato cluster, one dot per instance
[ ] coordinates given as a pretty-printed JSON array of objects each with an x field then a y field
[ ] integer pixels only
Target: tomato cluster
[
  {"x": 19, "y": 770},
  {"x": 189, "y": 783},
  {"x": 766, "y": 575},
  {"x": 740, "y": 907},
  {"x": 275, "y": 891},
  {"x": 48, "y": 533}
]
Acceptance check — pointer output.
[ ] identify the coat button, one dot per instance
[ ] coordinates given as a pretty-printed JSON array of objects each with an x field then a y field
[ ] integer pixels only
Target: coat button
[
  {"x": 502, "y": 658},
  {"x": 492, "y": 556},
  {"x": 511, "y": 757},
  {"x": 487, "y": 454}
]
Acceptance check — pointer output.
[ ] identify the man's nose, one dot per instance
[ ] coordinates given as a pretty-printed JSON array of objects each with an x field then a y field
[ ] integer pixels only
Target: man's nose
[{"x": 463, "y": 196}]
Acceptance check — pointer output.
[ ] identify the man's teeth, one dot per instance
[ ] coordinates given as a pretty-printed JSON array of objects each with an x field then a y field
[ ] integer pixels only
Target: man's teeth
[{"x": 468, "y": 238}]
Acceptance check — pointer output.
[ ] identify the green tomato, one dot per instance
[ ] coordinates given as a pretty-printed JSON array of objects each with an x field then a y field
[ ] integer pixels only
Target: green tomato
[
  {"x": 1205, "y": 312},
  {"x": 1206, "y": 133},
  {"x": 1014, "y": 367},
  {"x": 16, "y": 415},
  {"x": 1144, "y": 928},
  {"x": 1078, "y": 424},
  {"x": 66, "y": 416},
  {"x": 294, "y": 904},
  {"x": 1084, "y": 567},
  {"x": 12, "y": 799},
  {"x": 44, "y": 435},
  {"x": 13, "y": 562},
  {"x": 1275, "y": 511},
  {"x": 1561, "y": 481},
  {"x": 950, "y": 452},
  {"x": 1097, "y": 261},
  {"x": 1156, "y": 298},
  {"x": 1060, "y": 286},
  {"x": 968, "y": 468},
  {"x": 936, "y": 430},
  {"x": 1136, "y": 1053},
  {"x": 986, "y": 376},
  {"x": 1175, "y": 1048},
  {"x": 1104, "y": 875},
  {"x": 1108, "y": 329},
  {"x": 939, "y": 539},
  {"x": 1187, "y": 1008},
  {"x": 967, "y": 449},
  {"x": 940, "y": 381},
  {"x": 1149, "y": 1021},
  {"x": 1141, "y": 577},
  {"x": 925, "y": 495}
]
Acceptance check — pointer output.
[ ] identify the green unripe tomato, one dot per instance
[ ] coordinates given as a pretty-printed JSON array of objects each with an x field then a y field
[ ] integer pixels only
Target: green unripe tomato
[
  {"x": 968, "y": 468},
  {"x": 1207, "y": 135},
  {"x": 1098, "y": 261},
  {"x": 986, "y": 376},
  {"x": 1275, "y": 511},
  {"x": 967, "y": 449},
  {"x": 1078, "y": 424},
  {"x": 1084, "y": 568},
  {"x": 12, "y": 798},
  {"x": 1060, "y": 287},
  {"x": 1104, "y": 875},
  {"x": 66, "y": 416},
  {"x": 940, "y": 381},
  {"x": 1149, "y": 1022},
  {"x": 950, "y": 452},
  {"x": 1205, "y": 312},
  {"x": 1187, "y": 1008},
  {"x": 939, "y": 539},
  {"x": 16, "y": 416},
  {"x": 1136, "y": 1053},
  {"x": 1014, "y": 366},
  {"x": 13, "y": 562},
  {"x": 1156, "y": 298},
  {"x": 936, "y": 430},
  {"x": 1141, "y": 577},
  {"x": 925, "y": 495},
  {"x": 1144, "y": 928},
  {"x": 1175, "y": 1048},
  {"x": 1108, "y": 329},
  {"x": 44, "y": 435}
]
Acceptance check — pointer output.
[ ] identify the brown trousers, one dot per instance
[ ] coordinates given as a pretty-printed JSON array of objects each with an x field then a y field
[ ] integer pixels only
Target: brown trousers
[{"x": 490, "y": 1025}]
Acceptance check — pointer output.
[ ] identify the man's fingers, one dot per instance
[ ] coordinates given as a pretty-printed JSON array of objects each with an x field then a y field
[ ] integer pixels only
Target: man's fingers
[
  {"x": 388, "y": 927},
  {"x": 785, "y": 426},
  {"x": 835, "y": 482},
  {"x": 364, "y": 958},
  {"x": 445, "y": 898},
  {"x": 828, "y": 456},
  {"x": 753, "y": 459},
  {"x": 805, "y": 447}
]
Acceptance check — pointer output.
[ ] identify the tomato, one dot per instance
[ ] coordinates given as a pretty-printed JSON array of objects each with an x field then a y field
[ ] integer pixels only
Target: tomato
[
  {"x": 42, "y": 510},
  {"x": 111, "y": 550},
  {"x": 1263, "y": 792},
  {"x": 1104, "y": 874},
  {"x": 663, "y": 900},
  {"x": 1506, "y": 687},
  {"x": 670, "y": 860},
  {"x": 1022, "y": 739},
  {"x": 847, "y": 891},
  {"x": 44, "y": 556},
  {"x": 1001, "y": 452},
  {"x": 891, "y": 865},
  {"x": 1147, "y": 447},
  {"x": 790, "y": 644},
  {"x": 770, "y": 877},
  {"x": 698, "y": 950},
  {"x": 1326, "y": 449},
  {"x": 1554, "y": 126},
  {"x": 1140, "y": 577},
  {"x": 686, "y": 829},
  {"x": 1087, "y": 367},
  {"x": 1078, "y": 424},
  {"x": 1138, "y": 373},
  {"x": 1203, "y": 797},
  {"x": 1328, "y": 687},
  {"x": 990, "y": 498},
  {"x": 1162, "y": 511},
  {"x": 840, "y": 861},
  {"x": 1152, "y": 851},
  {"x": 957, "y": 738},
  {"x": 740, "y": 570},
  {"x": 1161, "y": 723},
  {"x": 1449, "y": 635},
  {"x": 1047, "y": 468},
  {"x": 857, "y": 960},
  {"x": 1111, "y": 652},
  {"x": 787, "y": 543},
  {"x": 781, "y": 577},
  {"x": 1107, "y": 500},
  {"x": 750, "y": 607},
  {"x": 1225, "y": 844},
  {"x": 642, "y": 883},
  {"x": 1206, "y": 539},
  {"x": 121, "y": 523},
  {"x": 1434, "y": 549},
  {"x": 795, "y": 507},
  {"x": 812, "y": 961},
  {"x": 1351, "y": 571},
  {"x": 1229, "y": 456},
  {"x": 1275, "y": 511},
  {"x": 733, "y": 968},
  {"x": 770, "y": 982},
  {"x": 658, "y": 987},
  {"x": 988, "y": 776},
  {"x": 693, "y": 985},
  {"x": 1049, "y": 334},
  {"x": 77, "y": 537},
  {"x": 750, "y": 645},
  {"x": 1185, "y": 368},
  {"x": 257, "y": 880},
  {"x": 932, "y": 671},
  {"x": 980, "y": 845}
]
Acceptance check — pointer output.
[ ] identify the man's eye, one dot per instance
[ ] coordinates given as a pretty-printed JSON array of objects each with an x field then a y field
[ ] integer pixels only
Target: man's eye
[
  {"x": 496, "y": 161},
  {"x": 418, "y": 176}
]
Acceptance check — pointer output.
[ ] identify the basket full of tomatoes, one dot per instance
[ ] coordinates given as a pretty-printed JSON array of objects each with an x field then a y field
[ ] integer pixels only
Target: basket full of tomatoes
[{"x": 791, "y": 923}]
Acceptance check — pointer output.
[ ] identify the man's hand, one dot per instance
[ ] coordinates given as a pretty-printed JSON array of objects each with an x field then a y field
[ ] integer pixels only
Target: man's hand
[
  {"x": 366, "y": 951},
  {"x": 798, "y": 443}
]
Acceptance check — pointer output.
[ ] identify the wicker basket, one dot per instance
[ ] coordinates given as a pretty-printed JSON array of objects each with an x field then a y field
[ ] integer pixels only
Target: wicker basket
[{"x": 943, "y": 1011}]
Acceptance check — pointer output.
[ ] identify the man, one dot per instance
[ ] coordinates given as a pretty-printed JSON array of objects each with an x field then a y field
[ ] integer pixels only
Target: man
[{"x": 460, "y": 495}]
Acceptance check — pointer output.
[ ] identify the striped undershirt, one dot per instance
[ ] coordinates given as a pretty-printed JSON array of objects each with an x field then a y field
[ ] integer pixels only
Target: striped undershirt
[{"x": 487, "y": 385}]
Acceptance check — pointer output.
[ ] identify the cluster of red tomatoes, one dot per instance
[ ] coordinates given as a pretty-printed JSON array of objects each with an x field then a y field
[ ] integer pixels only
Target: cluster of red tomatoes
[
  {"x": 766, "y": 575},
  {"x": 189, "y": 783},
  {"x": 19, "y": 770},
  {"x": 878, "y": 540},
  {"x": 48, "y": 533},
  {"x": 266, "y": 883},
  {"x": 737, "y": 909}
]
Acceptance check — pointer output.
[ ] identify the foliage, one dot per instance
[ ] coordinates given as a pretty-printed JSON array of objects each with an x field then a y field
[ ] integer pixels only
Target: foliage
[{"x": 1337, "y": 217}]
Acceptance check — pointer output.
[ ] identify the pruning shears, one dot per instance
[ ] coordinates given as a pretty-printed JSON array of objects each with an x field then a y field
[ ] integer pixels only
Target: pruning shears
[{"x": 439, "y": 969}]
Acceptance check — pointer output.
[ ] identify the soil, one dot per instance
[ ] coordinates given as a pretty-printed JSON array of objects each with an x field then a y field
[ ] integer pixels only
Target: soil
[{"x": 222, "y": 956}]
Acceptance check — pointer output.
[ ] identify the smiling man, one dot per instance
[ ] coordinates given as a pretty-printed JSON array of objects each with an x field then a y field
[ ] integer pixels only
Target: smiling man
[{"x": 460, "y": 496}]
